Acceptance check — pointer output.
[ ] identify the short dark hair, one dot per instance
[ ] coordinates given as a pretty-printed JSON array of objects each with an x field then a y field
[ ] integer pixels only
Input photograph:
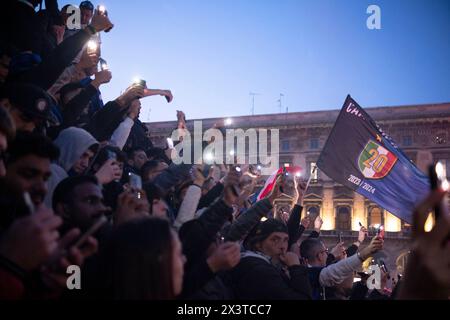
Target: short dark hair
[
  {"x": 148, "y": 166},
  {"x": 308, "y": 248},
  {"x": 27, "y": 143},
  {"x": 153, "y": 193},
  {"x": 157, "y": 154},
  {"x": 63, "y": 191},
  {"x": 141, "y": 253},
  {"x": 7, "y": 126},
  {"x": 131, "y": 152},
  {"x": 87, "y": 5},
  {"x": 103, "y": 155}
]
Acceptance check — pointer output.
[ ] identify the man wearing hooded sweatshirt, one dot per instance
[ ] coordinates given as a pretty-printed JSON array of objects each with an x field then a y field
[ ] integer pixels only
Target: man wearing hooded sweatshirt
[{"x": 77, "y": 148}]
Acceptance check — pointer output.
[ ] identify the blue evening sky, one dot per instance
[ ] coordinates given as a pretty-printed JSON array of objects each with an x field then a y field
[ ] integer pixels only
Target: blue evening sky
[{"x": 213, "y": 53}]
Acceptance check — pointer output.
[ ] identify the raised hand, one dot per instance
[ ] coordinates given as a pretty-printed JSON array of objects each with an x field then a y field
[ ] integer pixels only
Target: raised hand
[
  {"x": 131, "y": 204},
  {"x": 375, "y": 245},
  {"x": 430, "y": 256},
  {"x": 31, "y": 241},
  {"x": 339, "y": 251},
  {"x": 101, "y": 77},
  {"x": 318, "y": 222},
  {"x": 101, "y": 22},
  {"x": 109, "y": 172},
  {"x": 225, "y": 257}
]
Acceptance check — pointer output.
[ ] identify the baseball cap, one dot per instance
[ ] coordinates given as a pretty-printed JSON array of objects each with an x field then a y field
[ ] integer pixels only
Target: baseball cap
[{"x": 31, "y": 100}]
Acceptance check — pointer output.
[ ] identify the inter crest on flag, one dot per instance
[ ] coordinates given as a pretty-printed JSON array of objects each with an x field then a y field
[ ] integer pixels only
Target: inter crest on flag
[{"x": 375, "y": 161}]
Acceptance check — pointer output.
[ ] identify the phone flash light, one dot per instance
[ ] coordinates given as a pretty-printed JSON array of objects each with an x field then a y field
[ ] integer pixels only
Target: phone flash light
[
  {"x": 259, "y": 168},
  {"x": 232, "y": 153},
  {"x": 92, "y": 46},
  {"x": 445, "y": 185},
  {"x": 228, "y": 122},
  {"x": 102, "y": 9},
  {"x": 298, "y": 174},
  {"x": 238, "y": 169},
  {"x": 209, "y": 157},
  {"x": 263, "y": 219},
  {"x": 440, "y": 172}
]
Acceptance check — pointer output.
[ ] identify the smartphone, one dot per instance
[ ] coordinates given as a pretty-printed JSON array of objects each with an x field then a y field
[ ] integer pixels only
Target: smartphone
[
  {"x": 103, "y": 64},
  {"x": 29, "y": 203},
  {"x": 92, "y": 46},
  {"x": 92, "y": 230},
  {"x": 380, "y": 232},
  {"x": 170, "y": 143},
  {"x": 383, "y": 266},
  {"x": 135, "y": 181},
  {"x": 360, "y": 224},
  {"x": 434, "y": 184},
  {"x": 283, "y": 176},
  {"x": 140, "y": 83},
  {"x": 340, "y": 237},
  {"x": 111, "y": 155},
  {"x": 102, "y": 10},
  {"x": 220, "y": 239}
]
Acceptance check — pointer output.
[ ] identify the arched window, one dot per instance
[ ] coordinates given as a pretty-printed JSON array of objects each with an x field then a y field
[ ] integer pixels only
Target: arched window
[
  {"x": 343, "y": 219},
  {"x": 313, "y": 212},
  {"x": 375, "y": 217}
]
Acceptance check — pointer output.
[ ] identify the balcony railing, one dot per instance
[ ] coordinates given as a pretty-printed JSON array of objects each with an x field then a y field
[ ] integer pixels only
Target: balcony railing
[{"x": 347, "y": 234}]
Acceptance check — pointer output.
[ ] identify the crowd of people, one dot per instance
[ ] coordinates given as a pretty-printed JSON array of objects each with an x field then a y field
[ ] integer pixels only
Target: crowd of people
[{"x": 71, "y": 195}]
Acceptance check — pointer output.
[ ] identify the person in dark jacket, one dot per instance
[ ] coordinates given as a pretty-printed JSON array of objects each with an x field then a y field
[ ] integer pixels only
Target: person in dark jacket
[
  {"x": 45, "y": 73},
  {"x": 28, "y": 105},
  {"x": 257, "y": 278}
]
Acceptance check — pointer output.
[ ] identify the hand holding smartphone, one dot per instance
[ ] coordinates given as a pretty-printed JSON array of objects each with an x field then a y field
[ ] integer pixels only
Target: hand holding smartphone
[
  {"x": 92, "y": 230},
  {"x": 380, "y": 232},
  {"x": 438, "y": 179},
  {"x": 135, "y": 183}
]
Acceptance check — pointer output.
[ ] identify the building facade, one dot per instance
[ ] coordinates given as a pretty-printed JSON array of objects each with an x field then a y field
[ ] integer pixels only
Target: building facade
[{"x": 421, "y": 131}]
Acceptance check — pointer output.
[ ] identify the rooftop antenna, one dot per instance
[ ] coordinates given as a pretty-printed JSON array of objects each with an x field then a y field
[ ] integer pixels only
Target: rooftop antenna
[
  {"x": 252, "y": 94},
  {"x": 281, "y": 102}
]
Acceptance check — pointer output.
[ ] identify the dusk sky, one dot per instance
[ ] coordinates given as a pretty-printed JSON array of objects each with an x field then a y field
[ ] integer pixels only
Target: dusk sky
[{"x": 213, "y": 53}]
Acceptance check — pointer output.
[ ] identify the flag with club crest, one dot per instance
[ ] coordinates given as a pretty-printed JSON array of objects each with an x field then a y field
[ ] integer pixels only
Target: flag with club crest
[{"x": 359, "y": 155}]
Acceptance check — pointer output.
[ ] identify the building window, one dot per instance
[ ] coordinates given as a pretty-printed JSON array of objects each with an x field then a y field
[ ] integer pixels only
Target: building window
[
  {"x": 343, "y": 219},
  {"x": 314, "y": 143},
  {"x": 407, "y": 141},
  {"x": 313, "y": 171},
  {"x": 313, "y": 212},
  {"x": 375, "y": 218},
  {"x": 285, "y": 146}
]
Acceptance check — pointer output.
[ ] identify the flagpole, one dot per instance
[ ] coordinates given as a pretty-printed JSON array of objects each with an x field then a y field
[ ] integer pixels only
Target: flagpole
[{"x": 310, "y": 177}]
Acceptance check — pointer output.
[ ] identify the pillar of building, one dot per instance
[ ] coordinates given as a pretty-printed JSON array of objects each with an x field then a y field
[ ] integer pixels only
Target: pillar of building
[
  {"x": 328, "y": 214},
  {"x": 424, "y": 159},
  {"x": 359, "y": 212},
  {"x": 392, "y": 223}
]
